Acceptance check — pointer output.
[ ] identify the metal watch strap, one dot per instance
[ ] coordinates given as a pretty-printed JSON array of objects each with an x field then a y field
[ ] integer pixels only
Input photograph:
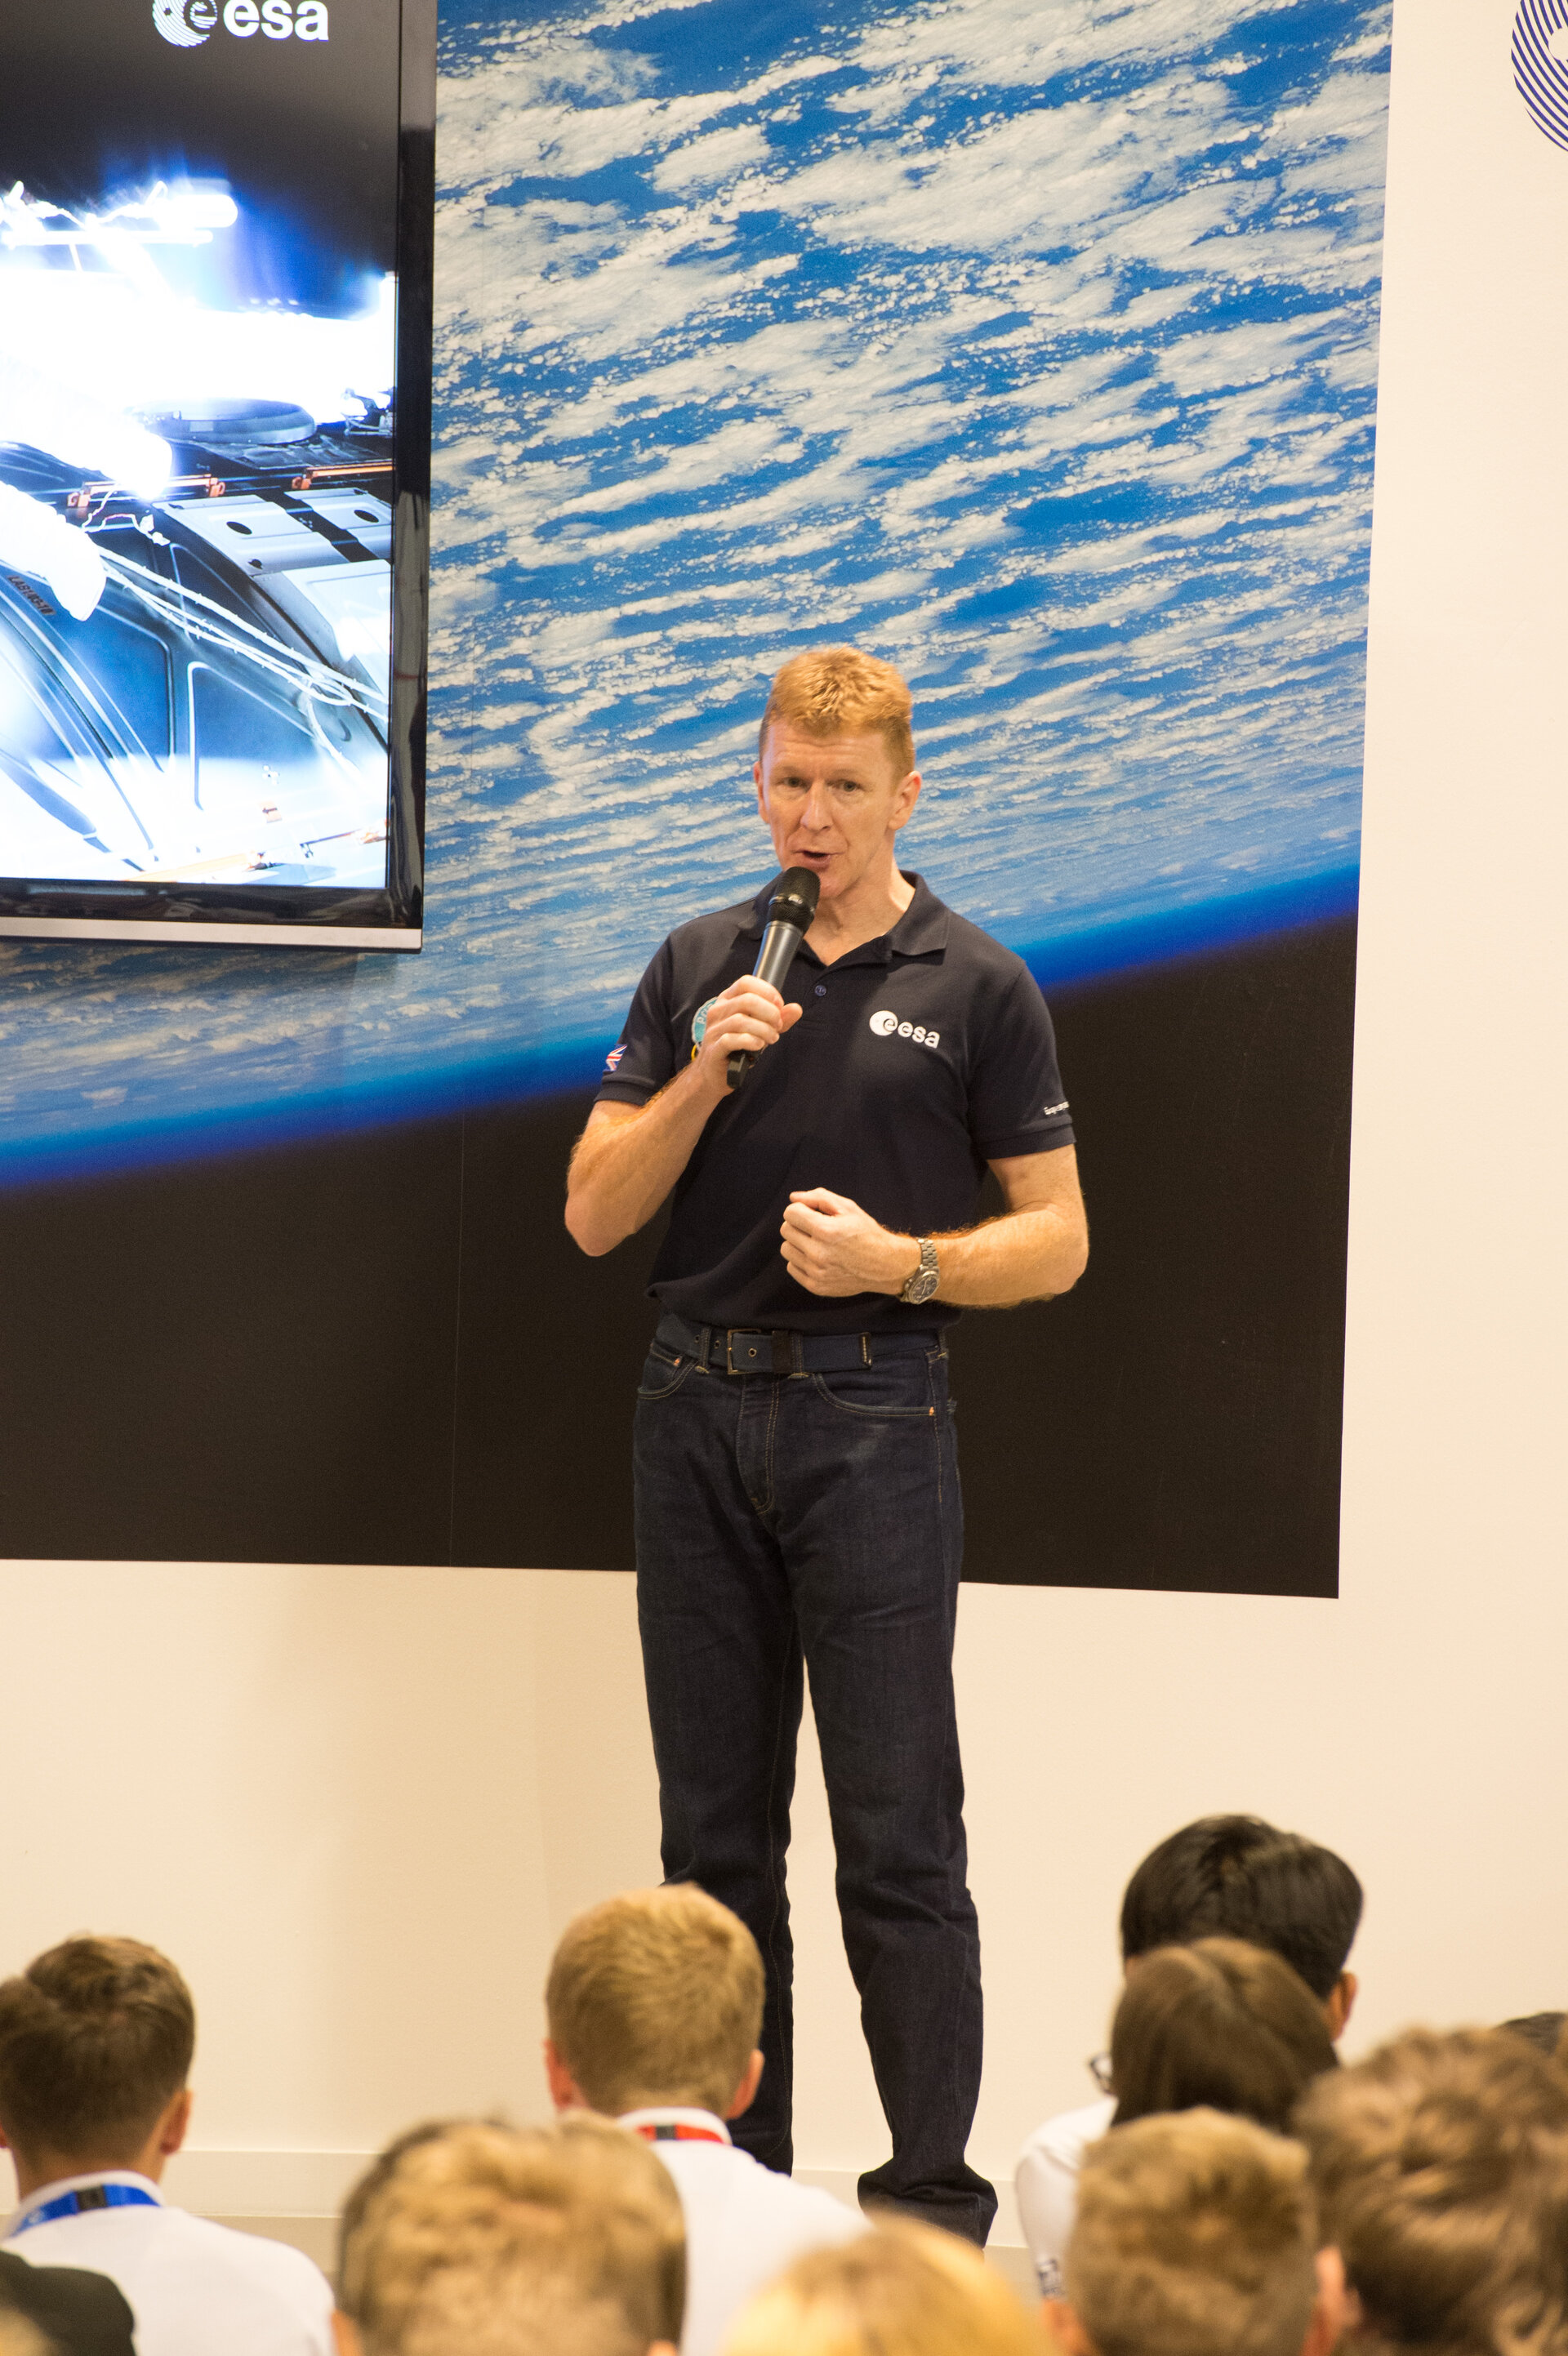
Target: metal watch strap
[{"x": 926, "y": 1270}]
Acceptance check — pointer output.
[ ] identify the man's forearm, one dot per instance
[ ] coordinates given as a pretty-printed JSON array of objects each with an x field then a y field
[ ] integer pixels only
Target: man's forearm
[
  {"x": 622, "y": 1169},
  {"x": 1037, "y": 1248},
  {"x": 1022, "y": 1255}
]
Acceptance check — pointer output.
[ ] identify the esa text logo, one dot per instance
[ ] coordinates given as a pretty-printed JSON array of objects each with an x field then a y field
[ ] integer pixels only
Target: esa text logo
[
  {"x": 187, "y": 23},
  {"x": 885, "y": 1022}
]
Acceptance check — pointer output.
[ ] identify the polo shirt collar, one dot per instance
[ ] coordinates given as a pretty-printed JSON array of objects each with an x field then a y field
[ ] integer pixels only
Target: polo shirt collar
[
  {"x": 920, "y": 931},
  {"x": 45, "y": 2193}
]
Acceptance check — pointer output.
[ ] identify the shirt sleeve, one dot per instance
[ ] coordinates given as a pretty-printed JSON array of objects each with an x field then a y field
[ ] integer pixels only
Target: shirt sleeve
[
  {"x": 1017, "y": 1101},
  {"x": 643, "y": 1057}
]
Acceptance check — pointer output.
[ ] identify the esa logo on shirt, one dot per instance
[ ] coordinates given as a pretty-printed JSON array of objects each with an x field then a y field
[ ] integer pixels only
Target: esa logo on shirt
[{"x": 885, "y": 1023}]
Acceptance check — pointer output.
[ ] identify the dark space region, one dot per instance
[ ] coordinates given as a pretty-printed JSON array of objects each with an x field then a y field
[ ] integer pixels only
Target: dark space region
[
  {"x": 304, "y": 133},
  {"x": 384, "y": 1348}
]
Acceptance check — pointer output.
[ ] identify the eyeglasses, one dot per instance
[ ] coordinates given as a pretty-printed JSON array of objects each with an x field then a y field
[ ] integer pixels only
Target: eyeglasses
[{"x": 1098, "y": 2068}]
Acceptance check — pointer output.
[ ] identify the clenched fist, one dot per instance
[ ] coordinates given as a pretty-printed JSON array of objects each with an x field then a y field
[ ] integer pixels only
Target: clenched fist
[{"x": 833, "y": 1247}]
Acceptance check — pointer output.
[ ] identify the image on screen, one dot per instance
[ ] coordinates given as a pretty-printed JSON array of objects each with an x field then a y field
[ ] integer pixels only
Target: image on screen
[{"x": 198, "y": 308}]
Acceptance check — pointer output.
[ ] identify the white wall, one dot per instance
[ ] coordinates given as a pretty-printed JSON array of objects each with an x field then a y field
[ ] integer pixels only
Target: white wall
[{"x": 358, "y": 1805}]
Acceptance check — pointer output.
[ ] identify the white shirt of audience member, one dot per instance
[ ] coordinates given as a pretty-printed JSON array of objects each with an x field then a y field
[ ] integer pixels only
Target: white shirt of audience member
[
  {"x": 745, "y": 2223},
  {"x": 196, "y": 2288},
  {"x": 1045, "y": 2184}
]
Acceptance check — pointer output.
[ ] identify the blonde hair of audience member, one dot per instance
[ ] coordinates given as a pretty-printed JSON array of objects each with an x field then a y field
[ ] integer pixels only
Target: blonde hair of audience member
[
  {"x": 476, "y": 2239},
  {"x": 839, "y": 691},
  {"x": 901, "y": 2290},
  {"x": 655, "y": 1999},
  {"x": 1197, "y": 2236},
  {"x": 1441, "y": 2169},
  {"x": 96, "y": 2039},
  {"x": 1220, "y": 2023}
]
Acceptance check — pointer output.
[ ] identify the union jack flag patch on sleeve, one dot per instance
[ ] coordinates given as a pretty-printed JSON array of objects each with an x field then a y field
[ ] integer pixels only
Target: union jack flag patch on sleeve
[{"x": 613, "y": 1058}]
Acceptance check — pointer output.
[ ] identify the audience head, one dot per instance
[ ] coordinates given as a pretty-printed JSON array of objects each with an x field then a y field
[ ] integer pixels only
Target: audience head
[
  {"x": 476, "y": 2239},
  {"x": 655, "y": 1999},
  {"x": 901, "y": 2290},
  {"x": 1542, "y": 2030},
  {"x": 1441, "y": 2169},
  {"x": 95, "y": 2043},
  {"x": 1196, "y": 2236},
  {"x": 1238, "y": 1878},
  {"x": 1219, "y": 2023}
]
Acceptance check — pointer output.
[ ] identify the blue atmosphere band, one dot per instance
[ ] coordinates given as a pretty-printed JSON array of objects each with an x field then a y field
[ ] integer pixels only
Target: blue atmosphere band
[{"x": 86, "y": 2197}]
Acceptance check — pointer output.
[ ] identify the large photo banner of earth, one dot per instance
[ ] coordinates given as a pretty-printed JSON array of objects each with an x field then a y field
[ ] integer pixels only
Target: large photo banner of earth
[{"x": 1031, "y": 344}]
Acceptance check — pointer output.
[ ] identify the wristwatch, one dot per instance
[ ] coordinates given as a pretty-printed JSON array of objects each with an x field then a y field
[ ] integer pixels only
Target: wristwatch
[{"x": 924, "y": 1281}]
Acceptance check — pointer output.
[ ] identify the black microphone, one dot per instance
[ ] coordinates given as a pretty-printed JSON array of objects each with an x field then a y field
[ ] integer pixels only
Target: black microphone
[{"x": 790, "y": 915}]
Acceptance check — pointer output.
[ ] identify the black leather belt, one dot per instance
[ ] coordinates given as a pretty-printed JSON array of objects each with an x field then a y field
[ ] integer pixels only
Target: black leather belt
[{"x": 752, "y": 1350}]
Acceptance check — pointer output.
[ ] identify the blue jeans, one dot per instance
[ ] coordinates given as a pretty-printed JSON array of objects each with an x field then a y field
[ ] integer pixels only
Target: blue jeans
[{"x": 817, "y": 1517}]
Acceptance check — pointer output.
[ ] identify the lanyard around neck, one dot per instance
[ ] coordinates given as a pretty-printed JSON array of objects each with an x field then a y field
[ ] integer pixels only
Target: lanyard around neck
[
  {"x": 674, "y": 2131},
  {"x": 86, "y": 2197}
]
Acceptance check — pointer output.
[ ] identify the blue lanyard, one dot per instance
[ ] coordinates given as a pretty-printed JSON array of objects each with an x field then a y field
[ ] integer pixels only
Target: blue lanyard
[{"x": 88, "y": 2196}]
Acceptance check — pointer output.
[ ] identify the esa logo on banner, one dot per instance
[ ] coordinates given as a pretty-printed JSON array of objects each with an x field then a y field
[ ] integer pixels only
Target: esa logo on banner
[{"x": 187, "y": 23}]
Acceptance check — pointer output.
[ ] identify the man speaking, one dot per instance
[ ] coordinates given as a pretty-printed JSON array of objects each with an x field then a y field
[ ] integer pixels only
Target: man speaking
[{"x": 796, "y": 1493}]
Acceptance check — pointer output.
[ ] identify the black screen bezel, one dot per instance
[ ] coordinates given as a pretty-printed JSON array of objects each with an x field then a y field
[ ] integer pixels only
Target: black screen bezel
[{"x": 319, "y": 916}]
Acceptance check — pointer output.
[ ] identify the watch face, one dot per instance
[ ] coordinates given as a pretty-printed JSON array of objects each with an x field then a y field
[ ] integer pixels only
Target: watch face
[{"x": 921, "y": 1285}]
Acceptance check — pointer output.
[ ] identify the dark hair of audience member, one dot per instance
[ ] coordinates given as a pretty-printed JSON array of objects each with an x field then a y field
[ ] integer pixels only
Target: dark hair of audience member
[
  {"x": 1220, "y": 2024},
  {"x": 1542, "y": 2030},
  {"x": 95, "y": 2038},
  {"x": 71, "y": 2310},
  {"x": 1440, "y": 2165},
  {"x": 1239, "y": 1878}
]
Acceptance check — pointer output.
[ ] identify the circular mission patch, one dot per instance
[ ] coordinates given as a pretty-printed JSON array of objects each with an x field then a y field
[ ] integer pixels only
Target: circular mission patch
[{"x": 699, "y": 1024}]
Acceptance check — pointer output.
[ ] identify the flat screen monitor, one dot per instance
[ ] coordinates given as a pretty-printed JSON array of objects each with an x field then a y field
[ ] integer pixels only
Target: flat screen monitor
[{"x": 215, "y": 313}]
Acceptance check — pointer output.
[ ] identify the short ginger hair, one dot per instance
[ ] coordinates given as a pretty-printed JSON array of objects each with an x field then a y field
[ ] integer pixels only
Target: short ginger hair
[
  {"x": 901, "y": 2290},
  {"x": 1196, "y": 2236},
  {"x": 1220, "y": 2023},
  {"x": 840, "y": 692},
  {"x": 1441, "y": 2169},
  {"x": 472, "y": 2238},
  {"x": 96, "y": 2038},
  {"x": 656, "y": 1998}
]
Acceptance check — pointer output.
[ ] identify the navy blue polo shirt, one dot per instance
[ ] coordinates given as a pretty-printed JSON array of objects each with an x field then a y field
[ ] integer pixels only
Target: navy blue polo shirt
[{"x": 920, "y": 1057}]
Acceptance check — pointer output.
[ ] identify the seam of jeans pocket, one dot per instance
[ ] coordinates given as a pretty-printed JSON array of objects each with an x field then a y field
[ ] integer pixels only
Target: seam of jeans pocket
[
  {"x": 681, "y": 1372},
  {"x": 873, "y": 1414}
]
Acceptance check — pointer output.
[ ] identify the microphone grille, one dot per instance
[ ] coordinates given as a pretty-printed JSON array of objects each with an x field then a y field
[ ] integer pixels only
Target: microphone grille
[{"x": 795, "y": 898}]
